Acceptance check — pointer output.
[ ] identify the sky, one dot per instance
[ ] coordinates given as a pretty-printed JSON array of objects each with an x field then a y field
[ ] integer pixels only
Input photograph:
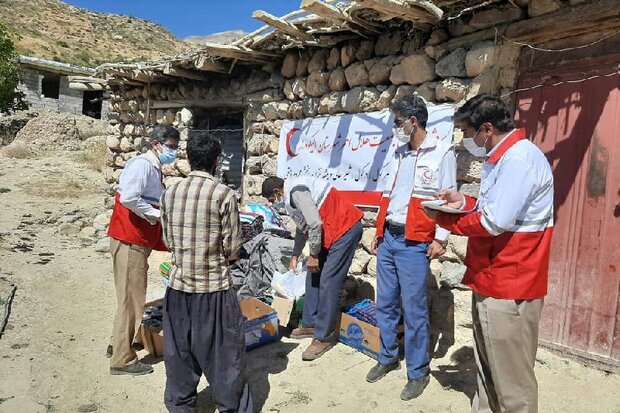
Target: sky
[{"x": 194, "y": 17}]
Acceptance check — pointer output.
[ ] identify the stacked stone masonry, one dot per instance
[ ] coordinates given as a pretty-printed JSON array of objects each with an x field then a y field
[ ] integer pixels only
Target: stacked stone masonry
[{"x": 356, "y": 76}]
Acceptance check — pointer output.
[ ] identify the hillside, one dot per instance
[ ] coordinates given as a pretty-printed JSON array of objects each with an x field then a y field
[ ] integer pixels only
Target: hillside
[
  {"x": 220, "y": 38},
  {"x": 55, "y": 30}
]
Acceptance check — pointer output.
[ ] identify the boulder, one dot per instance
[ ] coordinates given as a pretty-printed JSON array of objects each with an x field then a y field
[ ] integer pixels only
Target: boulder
[
  {"x": 482, "y": 56},
  {"x": 302, "y": 64},
  {"x": 338, "y": 80},
  {"x": 299, "y": 88},
  {"x": 414, "y": 70},
  {"x": 334, "y": 59},
  {"x": 113, "y": 143},
  {"x": 357, "y": 75},
  {"x": 318, "y": 61},
  {"x": 453, "y": 65},
  {"x": 367, "y": 238},
  {"x": 318, "y": 84},
  {"x": 380, "y": 71},
  {"x": 347, "y": 53},
  {"x": 452, "y": 89},
  {"x": 360, "y": 262},
  {"x": 452, "y": 274}
]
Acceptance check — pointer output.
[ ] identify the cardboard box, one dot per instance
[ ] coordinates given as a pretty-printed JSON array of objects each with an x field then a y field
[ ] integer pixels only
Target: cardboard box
[
  {"x": 261, "y": 326},
  {"x": 153, "y": 341},
  {"x": 364, "y": 337}
]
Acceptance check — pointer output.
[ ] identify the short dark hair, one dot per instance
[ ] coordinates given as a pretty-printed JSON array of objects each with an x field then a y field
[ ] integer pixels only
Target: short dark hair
[
  {"x": 485, "y": 108},
  {"x": 410, "y": 106},
  {"x": 271, "y": 183},
  {"x": 203, "y": 150},
  {"x": 163, "y": 133}
]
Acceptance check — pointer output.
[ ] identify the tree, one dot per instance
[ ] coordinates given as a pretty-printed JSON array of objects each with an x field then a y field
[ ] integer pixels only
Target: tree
[{"x": 11, "y": 99}]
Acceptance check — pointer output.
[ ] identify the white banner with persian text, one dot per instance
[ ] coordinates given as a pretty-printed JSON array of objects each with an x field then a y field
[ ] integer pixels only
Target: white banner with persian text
[{"x": 353, "y": 152}]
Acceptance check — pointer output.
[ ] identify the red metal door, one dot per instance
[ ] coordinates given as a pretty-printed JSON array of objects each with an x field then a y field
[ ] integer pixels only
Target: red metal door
[{"x": 577, "y": 125}]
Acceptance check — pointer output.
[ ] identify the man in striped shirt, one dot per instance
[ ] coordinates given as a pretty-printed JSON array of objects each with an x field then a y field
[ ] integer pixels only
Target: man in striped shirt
[{"x": 202, "y": 321}]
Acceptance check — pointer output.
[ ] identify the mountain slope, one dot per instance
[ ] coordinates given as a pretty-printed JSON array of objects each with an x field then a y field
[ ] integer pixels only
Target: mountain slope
[
  {"x": 51, "y": 29},
  {"x": 220, "y": 38}
]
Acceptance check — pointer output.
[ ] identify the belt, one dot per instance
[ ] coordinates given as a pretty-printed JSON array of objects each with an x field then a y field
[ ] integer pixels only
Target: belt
[{"x": 396, "y": 229}]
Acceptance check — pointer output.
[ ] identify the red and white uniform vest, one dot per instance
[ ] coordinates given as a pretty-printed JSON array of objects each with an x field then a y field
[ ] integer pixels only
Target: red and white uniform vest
[
  {"x": 337, "y": 214},
  {"x": 429, "y": 178},
  {"x": 510, "y": 224},
  {"x": 140, "y": 187}
]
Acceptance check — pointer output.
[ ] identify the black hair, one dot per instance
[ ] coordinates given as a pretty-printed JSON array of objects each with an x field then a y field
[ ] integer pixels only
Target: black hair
[
  {"x": 271, "y": 183},
  {"x": 163, "y": 133},
  {"x": 410, "y": 106},
  {"x": 485, "y": 108},
  {"x": 203, "y": 150}
]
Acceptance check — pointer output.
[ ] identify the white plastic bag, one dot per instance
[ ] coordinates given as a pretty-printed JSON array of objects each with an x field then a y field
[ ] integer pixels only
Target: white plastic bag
[{"x": 289, "y": 284}]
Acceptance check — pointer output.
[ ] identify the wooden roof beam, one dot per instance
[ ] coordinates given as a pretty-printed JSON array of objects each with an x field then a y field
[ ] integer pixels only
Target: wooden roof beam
[
  {"x": 237, "y": 53},
  {"x": 415, "y": 10},
  {"x": 282, "y": 25},
  {"x": 184, "y": 73},
  {"x": 335, "y": 15},
  {"x": 205, "y": 64}
]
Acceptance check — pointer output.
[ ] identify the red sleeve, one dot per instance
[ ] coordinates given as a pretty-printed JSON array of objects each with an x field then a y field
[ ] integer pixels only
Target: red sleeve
[{"x": 468, "y": 225}]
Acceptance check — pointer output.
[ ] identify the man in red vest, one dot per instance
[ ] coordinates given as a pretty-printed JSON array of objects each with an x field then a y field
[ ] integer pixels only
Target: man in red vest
[
  {"x": 406, "y": 242},
  {"x": 331, "y": 225},
  {"x": 135, "y": 231},
  {"x": 509, "y": 227}
]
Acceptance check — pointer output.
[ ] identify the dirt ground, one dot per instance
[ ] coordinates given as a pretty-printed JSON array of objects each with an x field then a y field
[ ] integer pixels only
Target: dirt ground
[{"x": 52, "y": 354}]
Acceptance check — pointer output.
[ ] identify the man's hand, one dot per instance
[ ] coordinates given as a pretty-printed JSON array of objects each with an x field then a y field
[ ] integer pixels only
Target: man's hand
[
  {"x": 313, "y": 264},
  {"x": 454, "y": 199},
  {"x": 375, "y": 245},
  {"x": 293, "y": 265},
  {"x": 435, "y": 250}
]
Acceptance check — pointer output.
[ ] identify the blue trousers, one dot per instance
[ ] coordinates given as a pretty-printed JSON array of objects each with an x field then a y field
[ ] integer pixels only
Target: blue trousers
[
  {"x": 322, "y": 300},
  {"x": 402, "y": 268}
]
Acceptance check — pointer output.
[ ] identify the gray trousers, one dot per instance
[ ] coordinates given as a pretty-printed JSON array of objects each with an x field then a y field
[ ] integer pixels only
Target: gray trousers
[
  {"x": 505, "y": 344},
  {"x": 203, "y": 334},
  {"x": 322, "y": 300}
]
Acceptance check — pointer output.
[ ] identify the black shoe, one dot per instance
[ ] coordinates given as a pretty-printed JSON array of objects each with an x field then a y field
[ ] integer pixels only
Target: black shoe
[
  {"x": 380, "y": 370},
  {"x": 414, "y": 388},
  {"x": 136, "y": 369},
  {"x": 108, "y": 352}
]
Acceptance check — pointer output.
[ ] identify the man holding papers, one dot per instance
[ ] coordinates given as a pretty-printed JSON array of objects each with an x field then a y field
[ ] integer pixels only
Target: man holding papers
[
  {"x": 406, "y": 242},
  {"x": 509, "y": 228}
]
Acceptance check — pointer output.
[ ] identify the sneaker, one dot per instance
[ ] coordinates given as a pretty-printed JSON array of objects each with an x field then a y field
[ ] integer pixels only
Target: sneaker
[
  {"x": 108, "y": 352},
  {"x": 380, "y": 370},
  {"x": 302, "y": 332},
  {"x": 316, "y": 349},
  {"x": 136, "y": 369},
  {"x": 414, "y": 388}
]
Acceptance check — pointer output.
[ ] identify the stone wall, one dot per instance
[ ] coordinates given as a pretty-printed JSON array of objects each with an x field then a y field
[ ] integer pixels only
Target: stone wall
[
  {"x": 445, "y": 65},
  {"x": 68, "y": 100},
  {"x": 367, "y": 75}
]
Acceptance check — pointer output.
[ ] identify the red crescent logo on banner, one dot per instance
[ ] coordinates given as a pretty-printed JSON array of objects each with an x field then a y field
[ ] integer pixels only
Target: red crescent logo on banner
[{"x": 289, "y": 135}]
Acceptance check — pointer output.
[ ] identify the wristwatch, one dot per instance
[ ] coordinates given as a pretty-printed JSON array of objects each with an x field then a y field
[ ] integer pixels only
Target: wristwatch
[{"x": 443, "y": 243}]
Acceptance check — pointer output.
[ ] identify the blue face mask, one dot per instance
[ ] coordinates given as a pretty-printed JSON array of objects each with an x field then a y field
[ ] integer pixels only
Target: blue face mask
[
  {"x": 278, "y": 205},
  {"x": 167, "y": 156}
]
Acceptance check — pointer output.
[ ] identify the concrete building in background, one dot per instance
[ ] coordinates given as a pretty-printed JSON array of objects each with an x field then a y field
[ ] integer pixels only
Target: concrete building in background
[{"x": 48, "y": 85}]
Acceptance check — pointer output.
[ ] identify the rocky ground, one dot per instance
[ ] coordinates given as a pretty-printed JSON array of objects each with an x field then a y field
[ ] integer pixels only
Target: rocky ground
[{"x": 52, "y": 353}]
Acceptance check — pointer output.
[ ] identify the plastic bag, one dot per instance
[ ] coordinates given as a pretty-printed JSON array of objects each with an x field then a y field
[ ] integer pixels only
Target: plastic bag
[{"x": 289, "y": 284}]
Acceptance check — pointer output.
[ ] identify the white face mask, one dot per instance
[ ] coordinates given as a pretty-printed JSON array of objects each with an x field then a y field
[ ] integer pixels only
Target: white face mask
[
  {"x": 473, "y": 148},
  {"x": 400, "y": 135}
]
